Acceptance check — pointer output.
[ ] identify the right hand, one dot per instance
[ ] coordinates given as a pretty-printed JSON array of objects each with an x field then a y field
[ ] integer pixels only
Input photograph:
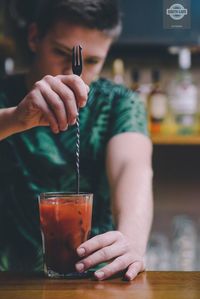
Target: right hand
[{"x": 54, "y": 102}]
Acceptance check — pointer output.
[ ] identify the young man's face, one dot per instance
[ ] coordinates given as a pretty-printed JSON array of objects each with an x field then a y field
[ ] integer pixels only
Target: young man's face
[{"x": 53, "y": 52}]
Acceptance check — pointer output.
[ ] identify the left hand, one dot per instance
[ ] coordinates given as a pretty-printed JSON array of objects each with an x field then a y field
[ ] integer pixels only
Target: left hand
[{"x": 113, "y": 247}]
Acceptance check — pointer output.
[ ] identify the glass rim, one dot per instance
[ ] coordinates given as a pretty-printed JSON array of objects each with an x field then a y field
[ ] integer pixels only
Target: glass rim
[{"x": 50, "y": 195}]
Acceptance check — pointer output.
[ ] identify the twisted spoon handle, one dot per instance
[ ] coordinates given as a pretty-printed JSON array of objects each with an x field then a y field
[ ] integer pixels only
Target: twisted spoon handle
[{"x": 77, "y": 66}]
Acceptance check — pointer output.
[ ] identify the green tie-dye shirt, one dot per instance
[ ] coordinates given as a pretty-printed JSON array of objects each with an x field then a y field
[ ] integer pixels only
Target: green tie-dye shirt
[{"x": 37, "y": 161}]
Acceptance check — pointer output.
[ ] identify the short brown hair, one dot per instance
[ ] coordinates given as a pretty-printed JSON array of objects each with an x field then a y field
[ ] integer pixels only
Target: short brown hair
[{"x": 103, "y": 15}]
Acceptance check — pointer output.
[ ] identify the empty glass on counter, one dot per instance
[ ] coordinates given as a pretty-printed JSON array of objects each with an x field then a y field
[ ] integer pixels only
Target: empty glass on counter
[
  {"x": 179, "y": 250},
  {"x": 184, "y": 243},
  {"x": 158, "y": 253}
]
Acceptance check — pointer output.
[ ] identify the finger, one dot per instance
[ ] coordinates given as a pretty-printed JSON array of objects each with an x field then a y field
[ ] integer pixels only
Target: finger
[
  {"x": 66, "y": 95},
  {"x": 116, "y": 266},
  {"x": 87, "y": 88},
  {"x": 134, "y": 269},
  {"x": 55, "y": 103},
  {"x": 102, "y": 255},
  {"x": 79, "y": 88},
  {"x": 69, "y": 101},
  {"x": 98, "y": 242},
  {"x": 47, "y": 115}
]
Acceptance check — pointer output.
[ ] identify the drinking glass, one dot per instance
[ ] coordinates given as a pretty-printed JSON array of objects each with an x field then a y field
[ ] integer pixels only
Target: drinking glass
[{"x": 65, "y": 220}]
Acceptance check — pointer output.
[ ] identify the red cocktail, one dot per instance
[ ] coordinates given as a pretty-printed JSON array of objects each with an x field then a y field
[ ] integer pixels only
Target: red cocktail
[{"x": 65, "y": 224}]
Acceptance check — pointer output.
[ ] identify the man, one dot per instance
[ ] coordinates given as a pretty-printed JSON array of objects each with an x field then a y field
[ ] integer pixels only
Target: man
[{"x": 115, "y": 150}]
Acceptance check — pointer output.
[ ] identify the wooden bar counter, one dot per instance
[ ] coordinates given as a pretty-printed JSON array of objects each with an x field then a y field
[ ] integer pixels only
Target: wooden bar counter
[{"x": 147, "y": 285}]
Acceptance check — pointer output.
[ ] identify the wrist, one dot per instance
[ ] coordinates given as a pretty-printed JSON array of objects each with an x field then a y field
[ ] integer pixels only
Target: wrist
[
  {"x": 20, "y": 123},
  {"x": 139, "y": 241},
  {"x": 9, "y": 122},
  {"x": 15, "y": 123}
]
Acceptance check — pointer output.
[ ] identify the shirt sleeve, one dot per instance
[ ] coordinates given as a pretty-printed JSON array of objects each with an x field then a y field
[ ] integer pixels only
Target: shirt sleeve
[{"x": 128, "y": 114}]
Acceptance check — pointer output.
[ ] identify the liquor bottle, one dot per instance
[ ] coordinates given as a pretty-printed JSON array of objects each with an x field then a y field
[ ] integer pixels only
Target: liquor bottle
[
  {"x": 135, "y": 76},
  {"x": 184, "y": 97},
  {"x": 140, "y": 89},
  {"x": 118, "y": 71},
  {"x": 157, "y": 105}
]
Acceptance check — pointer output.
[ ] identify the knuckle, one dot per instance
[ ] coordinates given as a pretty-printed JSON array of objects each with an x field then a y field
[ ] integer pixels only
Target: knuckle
[
  {"x": 119, "y": 234},
  {"x": 108, "y": 235},
  {"x": 104, "y": 254},
  {"x": 76, "y": 79},
  {"x": 48, "y": 78},
  {"x": 88, "y": 262},
  {"x": 58, "y": 78},
  {"x": 57, "y": 105},
  {"x": 78, "y": 82},
  {"x": 38, "y": 85},
  {"x": 121, "y": 263},
  {"x": 69, "y": 95},
  {"x": 98, "y": 241},
  {"x": 126, "y": 246}
]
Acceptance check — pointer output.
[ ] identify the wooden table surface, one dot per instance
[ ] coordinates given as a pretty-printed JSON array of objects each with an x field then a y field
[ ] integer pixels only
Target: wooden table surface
[{"x": 147, "y": 285}]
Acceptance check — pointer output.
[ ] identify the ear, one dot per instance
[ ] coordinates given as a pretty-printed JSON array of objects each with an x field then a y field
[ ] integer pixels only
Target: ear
[{"x": 33, "y": 37}]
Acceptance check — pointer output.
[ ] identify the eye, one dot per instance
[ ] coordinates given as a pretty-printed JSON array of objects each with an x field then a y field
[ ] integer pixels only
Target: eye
[
  {"x": 92, "y": 61},
  {"x": 59, "y": 52},
  {"x": 62, "y": 54}
]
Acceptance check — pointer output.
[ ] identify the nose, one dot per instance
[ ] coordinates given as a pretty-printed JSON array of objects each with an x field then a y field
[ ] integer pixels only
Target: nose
[
  {"x": 85, "y": 76},
  {"x": 67, "y": 71}
]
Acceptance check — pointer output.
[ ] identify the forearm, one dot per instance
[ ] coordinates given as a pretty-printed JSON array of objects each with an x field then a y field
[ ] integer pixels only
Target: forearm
[
  {"x": 9, "y": 123},
  {"x": 129, "y": 171},
  {"x": 133, "y": 206}
]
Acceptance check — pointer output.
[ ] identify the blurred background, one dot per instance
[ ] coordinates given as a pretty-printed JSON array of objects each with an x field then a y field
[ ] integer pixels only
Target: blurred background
[{"x": 157, "y": 56}]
